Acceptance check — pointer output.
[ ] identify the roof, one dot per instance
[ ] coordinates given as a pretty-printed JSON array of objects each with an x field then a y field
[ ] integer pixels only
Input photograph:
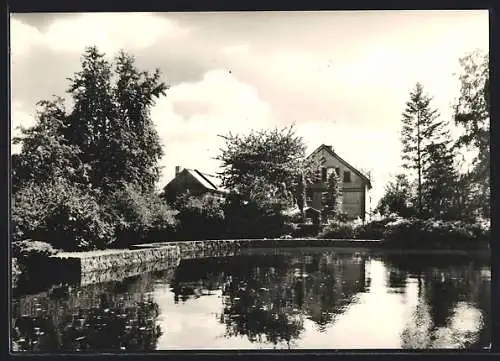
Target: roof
[
  {"x": 208, "y": 181},
  {"x": 330, "y": 150}
]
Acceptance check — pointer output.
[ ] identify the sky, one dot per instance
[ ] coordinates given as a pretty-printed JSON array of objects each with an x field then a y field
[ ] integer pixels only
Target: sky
[{"x": 342, "y": 78}]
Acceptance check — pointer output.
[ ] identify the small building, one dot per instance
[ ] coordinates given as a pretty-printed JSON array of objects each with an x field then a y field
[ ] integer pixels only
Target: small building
[
  {"x": 353, "y": 184},
  {"x": 196, "y": 182}
]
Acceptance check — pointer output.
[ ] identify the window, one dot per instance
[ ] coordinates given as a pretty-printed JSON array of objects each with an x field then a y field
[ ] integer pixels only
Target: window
[
  {"x": 337, "y": 170},
  {"x": 347, "y": 176},
  {"x": 323, "y": 174},
  {"x": 308, "y": 196}
]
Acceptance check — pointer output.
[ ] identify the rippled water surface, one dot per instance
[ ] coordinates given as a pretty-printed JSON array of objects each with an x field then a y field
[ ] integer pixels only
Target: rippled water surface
[{"x": 265, "y": 299}]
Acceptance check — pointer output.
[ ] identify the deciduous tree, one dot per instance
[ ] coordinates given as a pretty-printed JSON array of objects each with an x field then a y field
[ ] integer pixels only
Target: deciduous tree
[{"x": 472, "y": 112}]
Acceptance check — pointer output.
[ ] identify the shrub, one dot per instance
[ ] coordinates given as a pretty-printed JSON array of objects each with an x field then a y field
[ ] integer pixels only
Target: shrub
[
  {"x": 374, "y": 229},
  {"x": 305, "y": 230},
  {"x": 430, "y": 233},
  {"x": 339, "y": 230},
  {"x": 139, "y": 216},
  {"x": 28, "y": 248},
  {"x": 199, "y": 217},
  {"x": 63, "y": 214},
  {"x": 29, "y": 255},
  {"x": 251, "y": 219}
]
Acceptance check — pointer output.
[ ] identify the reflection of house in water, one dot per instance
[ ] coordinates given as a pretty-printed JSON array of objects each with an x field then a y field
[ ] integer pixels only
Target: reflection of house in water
[{"x": 324, "y": 291}]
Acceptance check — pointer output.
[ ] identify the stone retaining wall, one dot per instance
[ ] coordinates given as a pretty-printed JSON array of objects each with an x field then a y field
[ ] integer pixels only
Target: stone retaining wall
[
  {"x": 95, "y": 267},
  {"x": 119, "y": 274},
  {"x": 95, "y": 263},
  {"x": 210, "y": 248}
]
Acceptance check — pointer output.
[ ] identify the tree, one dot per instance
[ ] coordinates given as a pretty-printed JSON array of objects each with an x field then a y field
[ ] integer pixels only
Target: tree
[
  {"x": 46, "y": 155},
  {"x": 332, "y": 197},
  {"x": 258, "y": 165},
  {"x": 91, "y": 171},
  {"x": 440, "y": 180},
  {"x": 200, "y": 217},
  {"x": 300, "y": 195},
  {"x": 397, "y": 198},
  {"x": 419, "y": 127},
  {"x": 472, "y": 112},
  {"x": 110, "y": 121}
]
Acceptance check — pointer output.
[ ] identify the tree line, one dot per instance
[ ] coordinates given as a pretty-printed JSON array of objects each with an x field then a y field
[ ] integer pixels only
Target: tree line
[
  {"x": 435, "y": 184},
  {"x": 85, "y": 177}
]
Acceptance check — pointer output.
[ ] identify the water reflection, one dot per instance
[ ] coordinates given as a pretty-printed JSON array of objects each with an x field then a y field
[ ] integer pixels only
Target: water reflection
[
  {"x": 104, "y": 317},
  {"x": 312, "y": 298}
]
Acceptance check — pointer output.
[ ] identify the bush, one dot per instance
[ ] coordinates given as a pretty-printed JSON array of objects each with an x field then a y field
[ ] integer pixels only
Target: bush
[
  {"x": 199, "y": 217},
  {"x": 29, "y": 255},
  {"x": 246, "y": 219},
  {"x": 339, "y": 230},
  {"x": 374, "y": 229},
  {"x": 430, "y": 233},
  {"x": 305, "y": 230},
  {"x": 65, "y": 215},
  {"x": 139, "y": 216}
]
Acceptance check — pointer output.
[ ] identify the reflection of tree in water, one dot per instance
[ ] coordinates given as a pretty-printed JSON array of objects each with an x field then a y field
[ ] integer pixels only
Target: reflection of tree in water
[
  {"x": 94, "y": 318},
  {"x": 258, "y": 305},
  {"x": 449, "y": 293},
  {"x": 267, "y": 303},
  {"x": 197, "y": 277},
  {"x": 328, "y": 284}
]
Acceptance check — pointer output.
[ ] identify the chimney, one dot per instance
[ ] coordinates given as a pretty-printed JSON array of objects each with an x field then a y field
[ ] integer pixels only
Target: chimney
[
  {"x": 178, "y": 169},
  {"x": 330, "y": 147}
]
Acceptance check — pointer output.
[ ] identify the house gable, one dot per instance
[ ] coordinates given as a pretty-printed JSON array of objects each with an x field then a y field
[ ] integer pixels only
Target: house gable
[
  {"x": 194, "y": 181},
  {"x": 324, "y": 156}
]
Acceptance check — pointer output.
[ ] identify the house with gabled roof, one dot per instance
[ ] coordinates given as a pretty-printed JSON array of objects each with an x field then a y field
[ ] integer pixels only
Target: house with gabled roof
[
  {"x": 353, "y": 184},
  {"x": 195, "y": 182}
]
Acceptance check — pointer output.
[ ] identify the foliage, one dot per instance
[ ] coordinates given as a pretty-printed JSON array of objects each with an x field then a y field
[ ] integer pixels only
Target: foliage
[
  {"x": 305, "y": 230},
  {"x": 375, "y": 229},
  {"x": 472, "y": 112},
  {"x": 440, "y": 179},
  {"x": 65, "y": 215},
  {"x": 397, "y": 198},
  {"x": 110, "y": 121},
  {"x": 28, "y": 256},
  {"x": 72, "y": 163},
  {"x": 30, "y": 248},
  {"x": 332, "y": 197},
  {"x": 139, "y": 216},
  {"x": 428, "y": 150},
  {"x": 431, "y": 233},
  {"x": 200, "y": 217},
  {"x": 250, "y": 219},
  {"x": 419, "y": 129},
  {"x": 45, "y": 154},
  {"x": 300, "y": 193},
  {"x": 263, "y": 164},
  {"x": 261, "y": 170},
  {"x": 339, "y": 230}
]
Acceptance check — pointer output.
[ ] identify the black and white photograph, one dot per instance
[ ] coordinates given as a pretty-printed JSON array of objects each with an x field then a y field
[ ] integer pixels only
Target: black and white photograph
[{"x": 252, "y": 180}]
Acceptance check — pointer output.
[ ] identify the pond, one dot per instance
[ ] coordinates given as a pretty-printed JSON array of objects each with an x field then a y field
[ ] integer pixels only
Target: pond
[{"x": 269, "y": 299}]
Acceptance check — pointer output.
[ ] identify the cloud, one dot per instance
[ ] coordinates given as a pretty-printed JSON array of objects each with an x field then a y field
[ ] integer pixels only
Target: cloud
[
  {"x": 110, "y": 32},
  {"x": 23, "y": 38},
  {"x": 343, "y": 78},
  {"x": 193, "y": 114},
  {"x": 237, "y": 49},
  {"x": 190, "y": 137}
]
